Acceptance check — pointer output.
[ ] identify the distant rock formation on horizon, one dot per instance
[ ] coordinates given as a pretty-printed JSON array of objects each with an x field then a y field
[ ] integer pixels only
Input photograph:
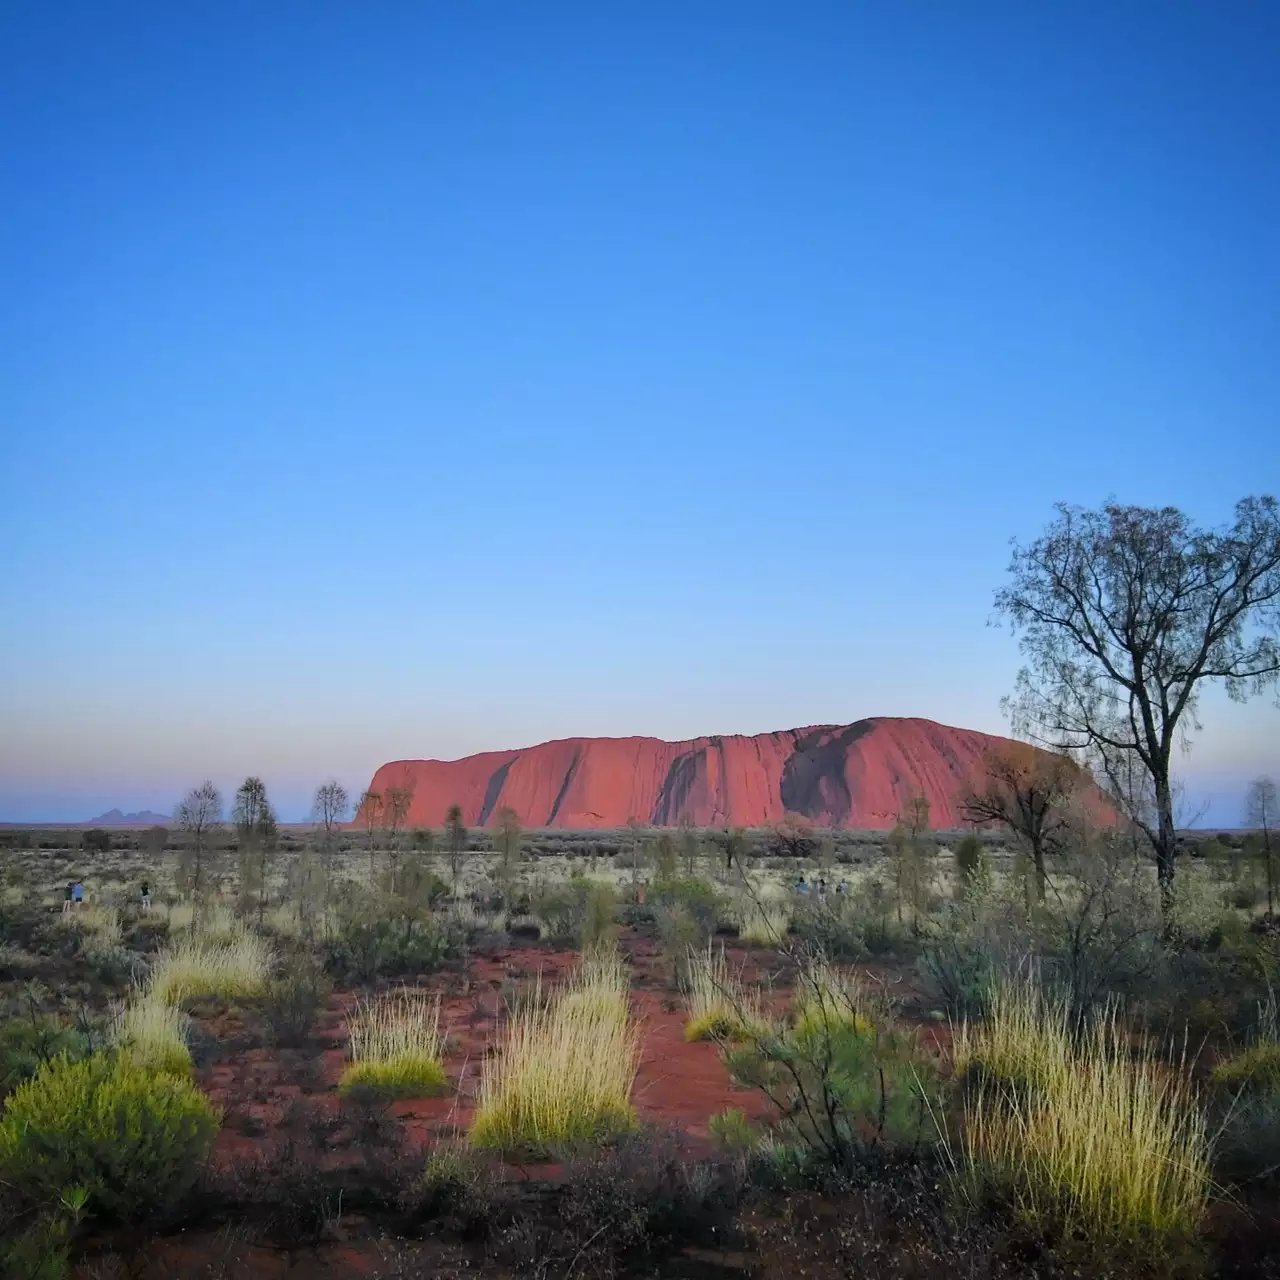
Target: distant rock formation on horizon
[
  {"x": 853, "y": 776},
  {"x": 114, "y": 818}
]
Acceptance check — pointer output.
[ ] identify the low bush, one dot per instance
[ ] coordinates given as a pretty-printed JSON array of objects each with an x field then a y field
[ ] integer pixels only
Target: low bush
[
  {"x": 579, "y": 912},
  {"x": 457, "y": 1187},
  {"x": 29, "y": 1040},
  {"x": 396, "y": 1047},
  {"x": 292, "y": 1003},
  {"x": 695, "y": 896},
  {"x": 381, "y": 937},
  {"x": 134, "y": 1139},
  {"x": 565, "y": 1071},
  {"x": 852, "y": 925},
  {"x": 843, "y": 1087},
  {"x": 731, "y": 1131},
  {"x": 1256, "y": 1069}
]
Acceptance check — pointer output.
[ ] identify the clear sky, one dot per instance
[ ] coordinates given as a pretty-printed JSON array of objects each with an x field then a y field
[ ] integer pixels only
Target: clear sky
[{"x": 414, "y": 379}]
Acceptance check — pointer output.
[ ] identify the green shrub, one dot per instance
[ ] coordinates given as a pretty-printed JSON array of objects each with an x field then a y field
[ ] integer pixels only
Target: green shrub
[
  {"x": 731, "y": 1131},
  {"x": 1256, "y": 1068},
  {"x": 381, "y": 937},
  {"x": 27, "y": 1042},
  {"x": 694, "y": 895},
  {"x": 840, "y": 1090},
  {"x": 579, "y": 912},
  {"x": 292, "y": 1003},
  {"x": 134, "y": 1139}
]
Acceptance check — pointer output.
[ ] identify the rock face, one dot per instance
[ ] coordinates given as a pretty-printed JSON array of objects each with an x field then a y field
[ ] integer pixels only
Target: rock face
[
  {"x": 115, "y": 818},
  {"x": 857, "y": 775}
]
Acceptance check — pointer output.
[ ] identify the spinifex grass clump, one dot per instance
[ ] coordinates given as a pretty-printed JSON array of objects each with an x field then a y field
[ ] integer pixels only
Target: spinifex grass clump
[
  {"x": 154, "y": 1034},
  {"x": 565, "y": 1072},
  {"x": 396, "y": 1046},
  {"x": 763, "y": 920},
  {"x": 828, "y": 996},
  {"x": 719, "y": 1008},
  {"x": 1081, "y": 1135},
  {"x": 197, "y": 967}
]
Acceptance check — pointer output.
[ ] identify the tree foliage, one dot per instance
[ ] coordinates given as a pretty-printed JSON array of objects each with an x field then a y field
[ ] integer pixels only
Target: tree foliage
[{"x": 1124, "y": 613}]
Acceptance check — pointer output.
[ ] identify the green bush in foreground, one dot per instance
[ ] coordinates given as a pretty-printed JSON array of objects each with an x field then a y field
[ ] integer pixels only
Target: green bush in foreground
[{"x": 134, "y": 1139}]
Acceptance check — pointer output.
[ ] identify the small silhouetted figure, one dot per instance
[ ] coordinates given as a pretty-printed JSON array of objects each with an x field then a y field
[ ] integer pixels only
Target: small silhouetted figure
[
  {"x": 67, "y": 894},
  {"x": 802, "y": 885},
  {"x": 146, "y": 897},
  {"x": 842, "y": 886},
  {"x": 77, "y": 895},
  {"x": 822, "y": 888}
]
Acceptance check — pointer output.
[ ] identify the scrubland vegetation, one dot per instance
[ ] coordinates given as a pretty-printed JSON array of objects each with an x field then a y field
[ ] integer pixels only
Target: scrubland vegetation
[{"x": 1045, "y": 1045}]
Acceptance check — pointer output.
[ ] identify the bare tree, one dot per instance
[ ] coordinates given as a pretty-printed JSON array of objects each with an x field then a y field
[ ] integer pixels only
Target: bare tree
[
  {"x": 396, "y": 805},
  {"x": 1029, "y": 791},
  {"x": 690, "y": 846},
  {"x": 1123, "y": 614},
  {"x": 369, "y": 811},
  {"x": 199, "y": 814},
  {"x": 1260, "y": 813},
  {"x": 455, "y": 834},
  {"x": 329, "y": 809},
  {"x": 256, "y": 835}
]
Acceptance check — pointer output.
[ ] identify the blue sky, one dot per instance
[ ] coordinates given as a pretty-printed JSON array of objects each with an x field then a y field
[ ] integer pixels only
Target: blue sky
[{"x": 418, "y": 379}]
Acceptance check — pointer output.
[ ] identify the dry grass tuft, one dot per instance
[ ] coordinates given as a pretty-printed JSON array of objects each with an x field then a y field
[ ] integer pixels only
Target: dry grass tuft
[
  {"x": 1083, "y": 1136},
  {"x": 567, "y": 1066},
  {"x": 719, "y": 1007},
  {"x": 396, "y": 1046},
  {"x": 197, "y": 967}
]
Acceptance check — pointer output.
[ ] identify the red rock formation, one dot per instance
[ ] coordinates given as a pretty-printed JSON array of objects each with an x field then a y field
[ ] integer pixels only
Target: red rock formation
[{"x": 855, "y": 775}]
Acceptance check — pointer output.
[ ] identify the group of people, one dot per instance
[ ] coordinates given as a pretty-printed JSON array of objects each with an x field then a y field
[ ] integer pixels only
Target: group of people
[
  {"x": 73, "y": 897},
  {"x": 802, "y": 886}
]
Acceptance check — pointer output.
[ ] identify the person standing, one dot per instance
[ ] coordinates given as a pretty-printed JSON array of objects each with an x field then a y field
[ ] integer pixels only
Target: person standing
[
  {"x": 77, "y": 895},
  {"x": 68, "y": 893},
  {"x": 146, "y": 897}
]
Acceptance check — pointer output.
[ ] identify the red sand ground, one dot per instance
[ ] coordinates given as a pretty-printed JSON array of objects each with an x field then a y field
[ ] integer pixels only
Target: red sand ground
[
  {"x": 857, "y": 775},
  {"x": 679, "y": 1086}
]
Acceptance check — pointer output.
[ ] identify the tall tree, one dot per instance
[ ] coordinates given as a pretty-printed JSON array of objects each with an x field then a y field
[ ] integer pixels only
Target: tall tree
[
  {"x": 369, "y": 811},
  {"x": 256, "y": 831},
  {"x": 329, "y": 811},
  {"x": 455, "y": 835},
  {"x": 690, "y": 846},
  {"x": 199, "y": 814},
  {"x": 396, "y": 805},
  {"x": 1028, "y": 791},
  {"x": 1260, "y": 813},
  {"x": 1123, "y": 615}
]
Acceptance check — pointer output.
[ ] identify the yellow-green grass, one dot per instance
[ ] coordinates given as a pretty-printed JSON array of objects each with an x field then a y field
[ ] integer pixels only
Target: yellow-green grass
[
  {"x": 1082, "y": 1136},
  {"x": 99, "y": 921},
  {"x": 719, "y": 1007},
  {"x": 1256, "y": 1068},
  {"x": 193, "y": 967},
  {"x": 154, "y": 1034},
  {"x": 830, "y": 997},
  {"x": 599, "y": 986},
  {"x": 566, "y": 1068},
  {"x": 213, "y": 922},
  {"x": 396, "y": 1046},
  {"x": 763, "y": 919}
]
